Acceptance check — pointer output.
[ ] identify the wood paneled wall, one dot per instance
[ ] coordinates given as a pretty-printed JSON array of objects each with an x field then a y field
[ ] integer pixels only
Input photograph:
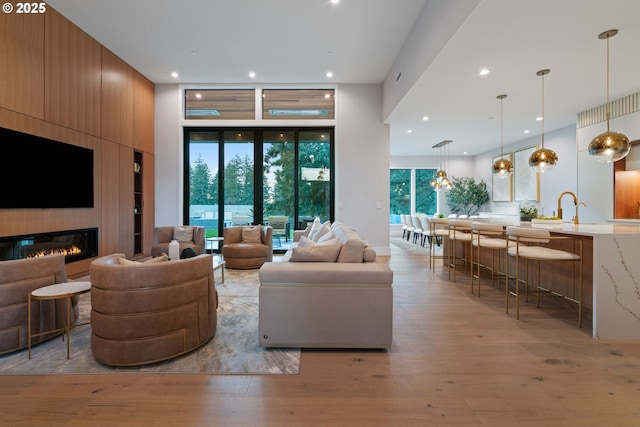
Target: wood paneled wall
[{"x": 59, "y": 83}]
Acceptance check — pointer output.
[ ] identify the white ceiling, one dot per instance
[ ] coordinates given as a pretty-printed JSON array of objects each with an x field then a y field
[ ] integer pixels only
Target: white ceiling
[{"x": 298, "y": 41}]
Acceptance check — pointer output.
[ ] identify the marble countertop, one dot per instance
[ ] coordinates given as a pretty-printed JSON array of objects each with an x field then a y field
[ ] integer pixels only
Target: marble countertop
[{"x": 585, "y": 229}]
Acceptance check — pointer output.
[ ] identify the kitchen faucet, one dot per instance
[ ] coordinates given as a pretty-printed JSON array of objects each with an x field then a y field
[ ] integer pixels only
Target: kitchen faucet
[{"x": 575, "y": 219}]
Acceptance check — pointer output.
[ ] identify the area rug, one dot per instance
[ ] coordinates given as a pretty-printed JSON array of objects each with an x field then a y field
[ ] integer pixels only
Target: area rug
[
  {"x": 233, "y": 350},
  {"x": 413, "y": 248}
]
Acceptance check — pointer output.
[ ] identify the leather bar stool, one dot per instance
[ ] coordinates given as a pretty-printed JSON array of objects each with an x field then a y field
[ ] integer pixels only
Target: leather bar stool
[{"x": 529, "y": 246}]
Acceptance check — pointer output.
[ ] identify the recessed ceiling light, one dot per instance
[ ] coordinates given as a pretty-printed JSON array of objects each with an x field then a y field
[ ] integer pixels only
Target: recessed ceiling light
[
  {"x": 527, "y": 131},
  {"x": 409, "y": 131},
  {"x": 174, "y": 75},
  {"x": 335, "y": 1},
  {"x": 252, "y": 74},
  {"x": 329, "y": 74},
  {"x": 484, "y": 71},
  {"x": 464, "y": 152},
  {"x": 538, "y": 119},
  {"x": 425, "y": 118}
]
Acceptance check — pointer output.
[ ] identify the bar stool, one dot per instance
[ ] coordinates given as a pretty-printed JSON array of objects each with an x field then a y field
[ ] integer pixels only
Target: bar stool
[
  {"x": 438, "y": 229},
  {"x": 493, "y": 237},
  {"x": 459, "y": 231},
  {"x": 529, "y": 241}
]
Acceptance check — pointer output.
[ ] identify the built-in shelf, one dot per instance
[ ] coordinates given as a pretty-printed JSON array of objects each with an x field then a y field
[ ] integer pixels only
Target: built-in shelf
[{"x": 137, "y": 202}]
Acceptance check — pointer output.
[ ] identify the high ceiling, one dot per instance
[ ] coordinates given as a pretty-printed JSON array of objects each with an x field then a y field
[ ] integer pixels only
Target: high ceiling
[{"x": 298, "y": 41}]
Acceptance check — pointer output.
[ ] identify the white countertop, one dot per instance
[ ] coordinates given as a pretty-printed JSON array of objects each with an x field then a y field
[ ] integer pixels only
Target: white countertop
[{"x": 585, "y": 229}]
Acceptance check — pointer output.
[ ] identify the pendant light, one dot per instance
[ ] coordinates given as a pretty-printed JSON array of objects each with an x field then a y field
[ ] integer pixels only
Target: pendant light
[
  {"x": 543, "y": 159},
  {"x": 609, "y": 146},
  {"x": 502, "y": 168},
  {"x": 441, "y": 180}
]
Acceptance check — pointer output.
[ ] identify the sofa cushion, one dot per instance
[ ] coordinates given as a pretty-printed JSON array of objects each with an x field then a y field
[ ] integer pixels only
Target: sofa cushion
[
  {"x": 369, "y": 254},
  {"x": 352, "y": 244},
  {"x": 251, "y": 234},
  {"x": 317, "y": 253},
  {"x": 183, "y": 234},
  {"x": 245, "y": 250}
]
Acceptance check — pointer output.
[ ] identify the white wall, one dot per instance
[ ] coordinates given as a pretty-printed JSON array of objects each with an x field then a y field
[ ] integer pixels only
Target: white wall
[
  {"x": 362, "y": 164},
  {"x": 553, "y": 182},
  {"x": 168, "y": 155},
  {"x": 362, "y": 160},
  {"x": 595, "y": 179}
]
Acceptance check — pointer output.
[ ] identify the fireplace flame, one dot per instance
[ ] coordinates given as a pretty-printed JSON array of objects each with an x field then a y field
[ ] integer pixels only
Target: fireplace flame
[{"x": 72, "y": 250}]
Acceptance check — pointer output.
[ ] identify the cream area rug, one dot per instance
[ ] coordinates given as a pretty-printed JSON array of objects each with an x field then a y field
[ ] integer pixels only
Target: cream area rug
[
  {"x": 413, "y": 248},
  {"x": 233, "y": 350}
]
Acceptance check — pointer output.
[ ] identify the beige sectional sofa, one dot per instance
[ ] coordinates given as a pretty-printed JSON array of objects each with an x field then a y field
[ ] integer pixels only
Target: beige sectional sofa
[{"x": 340, "y": 297}]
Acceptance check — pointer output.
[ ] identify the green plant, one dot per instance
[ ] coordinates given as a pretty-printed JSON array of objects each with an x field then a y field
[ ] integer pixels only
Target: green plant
[
  {"x": 529, "y": 212},
  {"x": 466, "y": 196}
]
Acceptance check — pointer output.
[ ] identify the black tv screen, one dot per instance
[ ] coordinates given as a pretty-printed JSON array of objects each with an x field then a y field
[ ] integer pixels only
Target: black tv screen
[{"x": 42, "y": 173}]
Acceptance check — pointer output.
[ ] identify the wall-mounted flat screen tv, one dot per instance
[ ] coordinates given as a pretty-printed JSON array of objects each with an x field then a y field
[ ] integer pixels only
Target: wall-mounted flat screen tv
[{"x": 38, "y": 172}]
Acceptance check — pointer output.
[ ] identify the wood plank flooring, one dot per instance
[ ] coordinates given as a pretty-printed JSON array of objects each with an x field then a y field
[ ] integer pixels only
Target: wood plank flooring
[{"x": 456, "y": 360}]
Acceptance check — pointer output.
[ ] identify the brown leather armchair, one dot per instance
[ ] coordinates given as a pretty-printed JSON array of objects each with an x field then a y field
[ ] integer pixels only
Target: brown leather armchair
[
  {"x": 17, "y": 279},
  {"x": 162, "y": 236},
  {"x": 147, "y": 312},
  {"x": 242, "y": 255}
]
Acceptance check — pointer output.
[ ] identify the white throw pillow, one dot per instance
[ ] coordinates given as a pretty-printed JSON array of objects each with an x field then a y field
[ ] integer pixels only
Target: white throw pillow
[
  {"x": 183, "y": 234},
  {"x": 251, "y": 234},
  {"x": 315, "y": 226},
  {"x": 305, "y": 242},
  {"x": 325, "y": 228},
  {"x": 326, "y": 237}
]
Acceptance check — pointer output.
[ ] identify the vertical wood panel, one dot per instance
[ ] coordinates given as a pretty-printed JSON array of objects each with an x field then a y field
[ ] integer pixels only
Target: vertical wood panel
[
  {"x": 72, "y": 76},
  {"x": 143, "y": 111},
  {"x": 22, "y": 63},
  {"x": 627, "y": 194},
  {"x": 117, "y": 99},
  {"x": 109, "y": 241}
]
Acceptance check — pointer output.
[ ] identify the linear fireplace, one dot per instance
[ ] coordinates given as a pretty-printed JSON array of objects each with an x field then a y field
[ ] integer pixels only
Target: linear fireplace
[{"x": 74, "y": 244}]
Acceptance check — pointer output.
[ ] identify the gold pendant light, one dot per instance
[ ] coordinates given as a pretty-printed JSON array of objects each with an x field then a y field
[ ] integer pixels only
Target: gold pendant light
[
  {"x": 441, "y": 180},
  {"x": 502, "y": 168},
  {"x": 609, "y": 146},
  {"x": 543, "y": 159}
]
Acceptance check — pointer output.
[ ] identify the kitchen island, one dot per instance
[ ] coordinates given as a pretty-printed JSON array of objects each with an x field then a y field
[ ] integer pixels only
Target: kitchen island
[
  {"x": 611, "y": 273},
  {"x": 615, "y": 269}
]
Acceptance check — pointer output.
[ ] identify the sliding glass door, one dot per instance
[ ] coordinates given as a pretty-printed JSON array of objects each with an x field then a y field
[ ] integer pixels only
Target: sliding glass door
[{"x": 258, "y": 176}]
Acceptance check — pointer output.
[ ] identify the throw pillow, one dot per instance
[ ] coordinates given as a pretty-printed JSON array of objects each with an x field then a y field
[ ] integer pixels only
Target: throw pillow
[
  {"x": 160, "y": 258},
  {"x": 315, "y": 226},
  {"x": 326, "y": 237},
  {"x": 305, "y": 242},
  {"x": 325, "y": 228},
  {"x": 251, "y": 234},
  {"x": 124, "y": 261},
  {"x": 187, "y": 253},
  {"x": 183, "y": 234},
  {"x": 317, "y": 253}
]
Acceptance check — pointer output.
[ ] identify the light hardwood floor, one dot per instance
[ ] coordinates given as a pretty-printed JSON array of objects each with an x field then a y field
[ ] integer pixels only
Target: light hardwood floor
[{"x": 456, "y": 360}]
